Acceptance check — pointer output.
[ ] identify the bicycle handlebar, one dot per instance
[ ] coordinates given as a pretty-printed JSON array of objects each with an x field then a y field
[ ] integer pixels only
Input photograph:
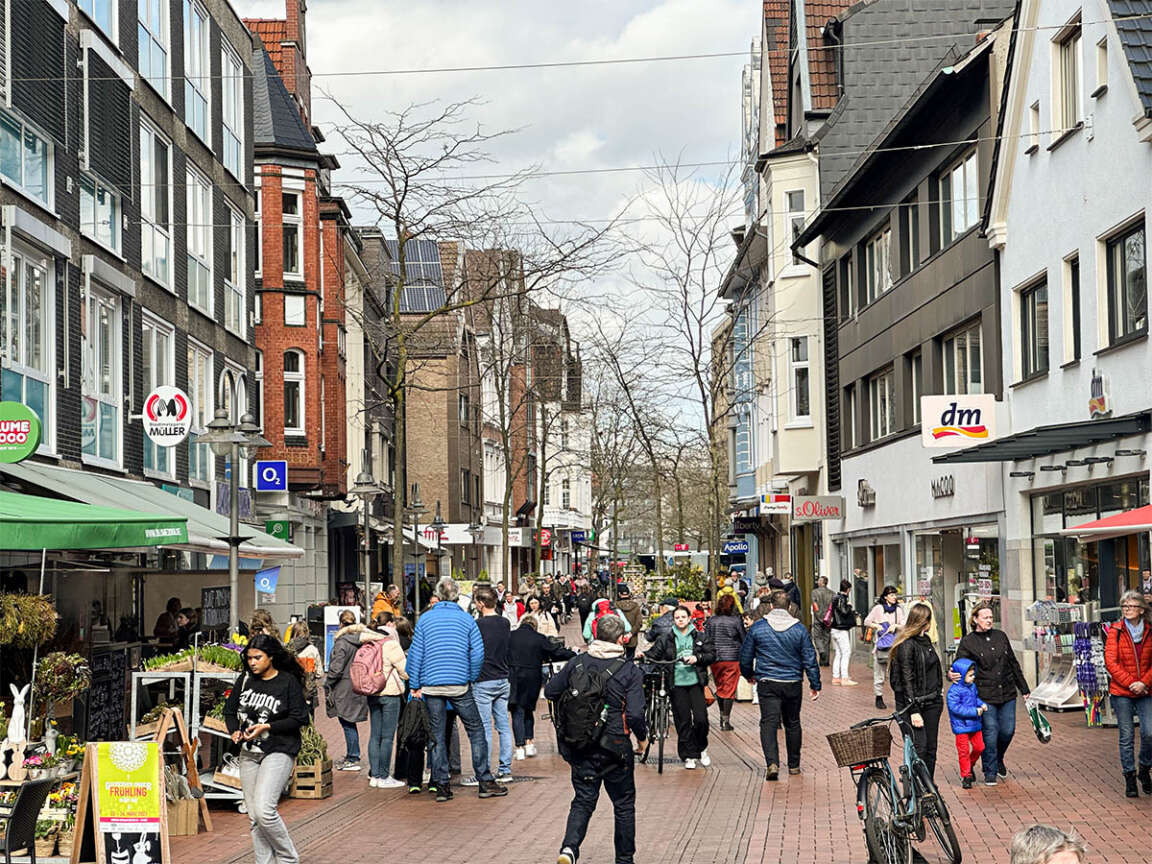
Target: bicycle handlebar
[{"x": 894, "y": 716}]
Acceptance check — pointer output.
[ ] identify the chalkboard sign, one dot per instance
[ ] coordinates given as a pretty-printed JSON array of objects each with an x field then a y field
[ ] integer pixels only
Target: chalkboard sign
[
  {"x": 106, "y": 695},
  {"x": 215, "y": 608}
]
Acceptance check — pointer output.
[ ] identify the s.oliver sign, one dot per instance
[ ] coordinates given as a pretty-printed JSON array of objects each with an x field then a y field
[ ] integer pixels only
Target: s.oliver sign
[
  {"x": 19, "y": 432},
  {"x": 816, "y": 508}
]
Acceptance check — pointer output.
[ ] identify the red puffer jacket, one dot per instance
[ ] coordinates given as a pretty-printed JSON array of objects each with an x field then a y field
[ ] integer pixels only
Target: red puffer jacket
[{"x": 1127, "y": 662}]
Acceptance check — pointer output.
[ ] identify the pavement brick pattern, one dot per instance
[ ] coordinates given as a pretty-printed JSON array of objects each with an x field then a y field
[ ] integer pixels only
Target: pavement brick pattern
[{"x": 722, "y": 814}]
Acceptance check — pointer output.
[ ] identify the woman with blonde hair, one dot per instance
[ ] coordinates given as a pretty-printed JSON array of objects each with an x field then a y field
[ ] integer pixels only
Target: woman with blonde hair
[{"x": 917, "y": 681}]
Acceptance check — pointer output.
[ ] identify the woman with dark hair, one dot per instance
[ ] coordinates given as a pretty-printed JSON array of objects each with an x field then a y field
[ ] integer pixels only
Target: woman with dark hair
[
  {"x": 725, "y": 631},
  {"x": 886, "y": 619},
  {"x": 528, "y": 651},
  {"x": 166, "y": 627},
  {"x": 918, "y": 681},
  {"x": 686, "y": 644},
  {"x": 264, "y": 714},
  {"x": 842, "y": 621},
  {"x": 187, "y": 625},
  {"x": 545, "y": 620}
]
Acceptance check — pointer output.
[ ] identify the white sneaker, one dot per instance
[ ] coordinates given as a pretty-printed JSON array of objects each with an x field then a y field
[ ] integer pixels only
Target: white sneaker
[
  {"x": 529, "y": 749},
  {"x": 471, "y": 781},
  {"x": 520, "y": 753},
  {"x": 427, "y": 776},
  {"x": 705, "y": 759},
  {"x": 389, "y": 783},
  {"x": 373, "y": 783},
  {"x": 690, "y": 764}
]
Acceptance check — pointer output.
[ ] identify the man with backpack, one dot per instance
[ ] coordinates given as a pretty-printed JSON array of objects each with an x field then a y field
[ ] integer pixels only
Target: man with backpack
[
  {"x": 633, "y": 613},
  {"x": 598, "y": 702}
]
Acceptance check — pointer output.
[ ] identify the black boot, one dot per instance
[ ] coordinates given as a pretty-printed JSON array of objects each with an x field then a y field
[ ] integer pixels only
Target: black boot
[
  {"x": 1144, "y": 775},
  {"x": 880, "y": 702},
  {"x": 1130, "y": 786}
]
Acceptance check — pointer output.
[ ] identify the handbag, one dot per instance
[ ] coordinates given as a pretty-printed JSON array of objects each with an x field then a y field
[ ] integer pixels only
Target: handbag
[
  {"x": 886, "y": 638},
  {"x": 709, "y": 695},
  {"x": 827, "y": 619}
]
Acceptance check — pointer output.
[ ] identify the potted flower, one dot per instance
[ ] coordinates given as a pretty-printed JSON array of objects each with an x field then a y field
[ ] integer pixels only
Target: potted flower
[
  {"x": 37, "y": 766},
  {"x": 60, "y": 677},
  {"x": 46, "y": 831},
  {"x": 67, "y": 835},
  {"x": 214, "y": 719}
]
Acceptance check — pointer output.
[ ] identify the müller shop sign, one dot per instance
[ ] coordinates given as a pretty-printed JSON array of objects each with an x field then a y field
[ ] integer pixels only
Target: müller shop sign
[{"x": 817, "y": 508}]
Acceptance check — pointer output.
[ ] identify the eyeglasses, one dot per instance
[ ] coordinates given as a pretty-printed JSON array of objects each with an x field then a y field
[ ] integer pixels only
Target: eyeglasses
[{"x": 1131, "y": 606}]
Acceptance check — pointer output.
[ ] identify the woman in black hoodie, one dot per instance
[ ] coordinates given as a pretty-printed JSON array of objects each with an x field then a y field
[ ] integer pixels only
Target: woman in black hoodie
[{"x": 264, "y": 715}]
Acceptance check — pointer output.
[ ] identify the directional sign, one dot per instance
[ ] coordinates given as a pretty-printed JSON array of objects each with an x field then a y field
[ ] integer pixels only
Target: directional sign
[
  {"x": 271, "y": 476},
  {"x": 736, "y": 547},
  {"x": 579, "y": 537}
]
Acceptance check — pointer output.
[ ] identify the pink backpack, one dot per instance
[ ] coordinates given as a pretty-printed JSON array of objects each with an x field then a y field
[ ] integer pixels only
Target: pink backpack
[{"x": 367, "y": 669}]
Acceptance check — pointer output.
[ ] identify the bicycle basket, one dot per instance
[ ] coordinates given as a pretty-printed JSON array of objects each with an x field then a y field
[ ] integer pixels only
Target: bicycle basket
[{"x": 860, "y": 745}]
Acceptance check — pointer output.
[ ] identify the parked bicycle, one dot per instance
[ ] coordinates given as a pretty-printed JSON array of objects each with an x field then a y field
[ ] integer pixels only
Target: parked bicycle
[
  {"x": 657, "y": 708},
  {"x": 895, "y": 814}
]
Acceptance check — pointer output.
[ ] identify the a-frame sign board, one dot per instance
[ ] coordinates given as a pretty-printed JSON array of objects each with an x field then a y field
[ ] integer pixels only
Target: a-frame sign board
[
  {"x": 121, "y": 816},
  {"x": 175, "y": 715}
]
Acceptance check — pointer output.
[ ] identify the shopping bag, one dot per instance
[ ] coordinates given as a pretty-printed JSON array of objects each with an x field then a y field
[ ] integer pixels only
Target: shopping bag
[{"x": 1040, "y": 724}]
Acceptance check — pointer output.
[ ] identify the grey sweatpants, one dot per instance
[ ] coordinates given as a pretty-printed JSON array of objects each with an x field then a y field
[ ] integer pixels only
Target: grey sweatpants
[{"x": 263, "y": 783}]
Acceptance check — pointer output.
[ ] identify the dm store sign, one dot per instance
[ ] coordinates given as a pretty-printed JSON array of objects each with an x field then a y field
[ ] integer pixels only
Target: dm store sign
[
  {"x": 956, "y": 422},
  {"x": 19, "y": 432}
]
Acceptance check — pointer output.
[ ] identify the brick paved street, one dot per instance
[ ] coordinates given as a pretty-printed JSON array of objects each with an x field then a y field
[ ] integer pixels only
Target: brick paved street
[{"x": 723, "y": 814}]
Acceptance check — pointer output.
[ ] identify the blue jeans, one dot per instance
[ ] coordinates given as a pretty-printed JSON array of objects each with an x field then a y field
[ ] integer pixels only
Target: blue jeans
[
  {"x": 999, "y": 723},
  {"x": 351, "y": 740},
  {"x": 383, "y": 715},
  {"x": 492, "y": 699},
  {"x": 465, "y": 707},
  {"x": 1127, "y": 707}
]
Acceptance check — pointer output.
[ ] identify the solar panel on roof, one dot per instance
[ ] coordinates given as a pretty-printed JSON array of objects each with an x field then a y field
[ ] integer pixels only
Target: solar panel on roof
[{"x": 421, "y": 259}]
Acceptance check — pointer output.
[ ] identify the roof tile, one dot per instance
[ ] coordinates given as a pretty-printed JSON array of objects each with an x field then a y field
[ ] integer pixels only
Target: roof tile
[
  {"x": 777, "y": 15},
  {"x": 822, "y": 60},
  {"x": 1136, "y": 37}
]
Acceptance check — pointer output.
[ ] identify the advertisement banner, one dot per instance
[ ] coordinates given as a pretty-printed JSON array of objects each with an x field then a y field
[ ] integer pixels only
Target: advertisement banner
[
  {"x": 776, "y": 503},
  {"x": 167, "y": 416},
  {"x": 19, "y": 432},
  {"x": 128, "y": 791},
  {"x": 957, "y": 421}
]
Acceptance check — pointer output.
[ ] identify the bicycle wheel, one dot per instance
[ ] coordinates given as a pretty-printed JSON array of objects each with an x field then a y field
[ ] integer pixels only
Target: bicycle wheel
[
  {"x": 887, "y": 843},
  {"x": 662, "y": 727},
  {"x": 936, "y": 815}
]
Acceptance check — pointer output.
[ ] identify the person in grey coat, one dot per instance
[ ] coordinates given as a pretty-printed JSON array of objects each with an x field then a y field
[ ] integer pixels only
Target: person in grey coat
[
  {"x": 822, "y": 598},
  {"x": 348, "y": 706}
]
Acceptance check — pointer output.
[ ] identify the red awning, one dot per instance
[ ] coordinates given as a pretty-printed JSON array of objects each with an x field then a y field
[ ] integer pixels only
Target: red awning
[{"x": 1128, "y": 522}]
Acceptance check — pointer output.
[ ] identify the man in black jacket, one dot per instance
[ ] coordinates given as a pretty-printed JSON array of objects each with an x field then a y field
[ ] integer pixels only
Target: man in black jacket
[{"x": 610, "y": 761}]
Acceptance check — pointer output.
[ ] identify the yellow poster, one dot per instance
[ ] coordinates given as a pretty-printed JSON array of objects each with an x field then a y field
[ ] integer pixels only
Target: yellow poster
[{"x": 129, "y": 794}]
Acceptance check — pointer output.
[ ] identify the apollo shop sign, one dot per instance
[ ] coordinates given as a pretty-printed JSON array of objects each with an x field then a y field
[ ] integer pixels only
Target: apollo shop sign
[
  {"x": 817, "y": 508},
  {"x": 955, "y": 422},
  {"x": 167, "y": 416}
]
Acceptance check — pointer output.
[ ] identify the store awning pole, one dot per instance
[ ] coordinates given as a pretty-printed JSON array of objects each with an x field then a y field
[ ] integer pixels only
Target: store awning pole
[{"x": 35, "y": 653}]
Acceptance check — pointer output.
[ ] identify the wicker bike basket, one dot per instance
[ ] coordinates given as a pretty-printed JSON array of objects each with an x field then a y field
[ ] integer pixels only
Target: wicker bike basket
[{"x": 860, "y": 745}]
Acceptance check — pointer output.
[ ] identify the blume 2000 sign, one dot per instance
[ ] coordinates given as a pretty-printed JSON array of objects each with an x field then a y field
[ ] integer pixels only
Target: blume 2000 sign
[{"x": 19, "y": 432}]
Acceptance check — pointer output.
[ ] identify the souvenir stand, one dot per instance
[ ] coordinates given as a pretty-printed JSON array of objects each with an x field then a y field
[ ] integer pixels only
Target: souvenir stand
[{"x": 1052, "y": 636}]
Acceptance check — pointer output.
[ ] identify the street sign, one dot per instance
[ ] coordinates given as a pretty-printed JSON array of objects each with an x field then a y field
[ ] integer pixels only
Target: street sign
[
  {"x": 271, "y": 476},
  {"x": 167, "y": 416},
  {"x": 281, "y": 529},
  {"x": 736, "y": 547},
  {"x": 579, "y": 537},
  {"x": 19, "y": 432}
]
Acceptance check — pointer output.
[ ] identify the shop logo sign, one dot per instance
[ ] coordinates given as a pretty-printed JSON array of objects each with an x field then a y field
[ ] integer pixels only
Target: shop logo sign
[
  {"x": 1099, "y": 405},
  {"x": 957, "y": 421},
  {"x": 776, "y": 503},
  {"x": 19, "y": 432},
  {"x": 167, "y": 416},
  {"x": 944, "y": 487},
  {"x": 809, "y": 508}
]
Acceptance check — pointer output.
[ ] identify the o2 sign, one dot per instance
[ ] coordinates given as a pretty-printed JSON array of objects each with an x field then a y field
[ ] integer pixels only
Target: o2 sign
[{"x": 20, "y": 432}]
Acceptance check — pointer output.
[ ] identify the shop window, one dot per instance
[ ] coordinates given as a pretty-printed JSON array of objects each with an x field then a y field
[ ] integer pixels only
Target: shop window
[
  {"x": 157, "y": 354},
  {"x": 294, "y": 381},
  {"x": 200, "y": 293},
  {"x": 1034, "y": 330},
  {"x": 201, "y": 392},
  {"x": 1127, "y": 285},
  {"x": 27, "y": 342},
  {"x": 101, "y": 419},
  {"x": 197, "y": 68},
  {"x": 959, "y": 196},
  {"x": 963, "y": 362}
]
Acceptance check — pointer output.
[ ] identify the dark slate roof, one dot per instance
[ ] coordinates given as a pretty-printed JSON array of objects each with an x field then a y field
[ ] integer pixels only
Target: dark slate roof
[
  {"x": 1136, "y": 37},
  {"x": 276, "y": 121}
]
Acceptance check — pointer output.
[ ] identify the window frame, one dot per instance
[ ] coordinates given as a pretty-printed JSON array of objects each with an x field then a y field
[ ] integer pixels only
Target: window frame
[
  {"x": 235, "y": 285},
  {"x": 849, "y": 431},
  {"x": 1033, "y": 127},
  {"x": 151, "y": 329},
  {"x": 797, "y": 366},
  {"x": 150, "y": 138},
  {"x": 796, "y": 219},
  {"x": 946, "y": 199},
  {"x": 1067, "y": 98},
  {"x": 200, "y": 226},
  {"x": 910, "y": 248},
  {"x": 303, "y": 300},
  {"x": 881, "y": 386},
  {"x": 877, "y": 272},
  {"x": 847, "y": 284},
  {"x": 1116, "y": 336},
  {"x": 164, "y": 86},
  {"x": 27, "y": 130},
  {"x": 294, "y": 222},
  {"x": 115, "y": 240},
  {"x": 566, "y": 494},
  {"x": 300, "y": 379},
  {"x": 961, "y": 340},
  {"x": 916, "y": 376},
  {"x": 1032, "y": 365},
  {"x": 1101, "y": 68},
  {"x": 197, "y": 81},
  {"x": 1073, "y": 297},
  {"x": 95, "y": 357},
  {"x": 201, "y": 461},
  {"x": 22, "y": 258},
  {"x": 232, "y": 104},
  {"x": 112, "y": 32},
  {"x": 258, "y": 379}
]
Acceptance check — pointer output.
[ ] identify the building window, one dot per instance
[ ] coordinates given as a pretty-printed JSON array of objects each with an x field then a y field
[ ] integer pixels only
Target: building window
[
  {"x": 850, "y": 430},
  {"x": 232, "y": 110},
  {"x": 959, "y": 198},
  {"x": 26, "y": 159},
  {"x": 258, "y": 371},
  {"x": 465, "y": 484},
  {"x": 200, "y": 292},
  {"x": 155, "y": 212},
  {"x": 27, "y": 341},
  {"x": 917, "y": 370},
  {"x": 152, "y": 21},
  {"x": 910, "y": 234},
  {"x": 798, "y": 358},
  {"x": 1034, "y": 329},
  {"x": 1072, "y": 303},
  {"x": 1101, "y": 66},
  {"x": 257, "y": 238},
  {"x": 232, "y": 381},
  {"x": 157, "y": 353},
  {"x": 102, "y": 404},
  {"x": 563, "y": 433},
  {"x": 294, "y": 310},
  {"x": 847, "y": 288},
  {"x": 203, "y": 407},
  {"x": 293, "y": 393},
  {"x": 197, "y": 69},
  {"x": 547, "y": 494},
  {"x": 103, "y": 13},
  {"x": 1033, "y": 127},
  {"x": 323, "y": 416},
  {"x": 462, "y": 410},
  {"x": 293, "y": 226},
  {"x": 877, "y": 271},
  {"x": 796, "y": 220},
  {"x": 100, "y": 213},
  {"x": 234, "y": 287},
  {"x": 1069, "y": 82},
  {"x": 881, "y": 405},
  {"x": 963, "y": 363},
  {"x": 1127, "y": 285},
  {"x": 566, "y": 494}
]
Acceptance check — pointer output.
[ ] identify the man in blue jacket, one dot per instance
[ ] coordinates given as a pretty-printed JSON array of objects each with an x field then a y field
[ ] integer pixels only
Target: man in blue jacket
[
  {"x": 446, "y": 655},
  {"x": 775, "y": 655}
]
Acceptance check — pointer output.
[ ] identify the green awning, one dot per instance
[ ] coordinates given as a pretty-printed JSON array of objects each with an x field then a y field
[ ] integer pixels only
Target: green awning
[{"x": 29, "y": 522}]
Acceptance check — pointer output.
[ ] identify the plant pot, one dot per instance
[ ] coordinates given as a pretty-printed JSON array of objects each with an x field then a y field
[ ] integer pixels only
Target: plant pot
[
  {"x": 64, "y": 843},
  {"x": 36, "y": 773},
  {"x": 45, "y": 847}
]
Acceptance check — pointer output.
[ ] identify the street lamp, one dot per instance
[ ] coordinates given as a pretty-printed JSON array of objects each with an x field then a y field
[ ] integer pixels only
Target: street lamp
[
  {"x": 438, "y": 523},
  {"x": 365, "y": 489},
  {"x": 226, "y": 439},
  {"x": 476, "y": 530},
  {"x": 415, "y": 507}
]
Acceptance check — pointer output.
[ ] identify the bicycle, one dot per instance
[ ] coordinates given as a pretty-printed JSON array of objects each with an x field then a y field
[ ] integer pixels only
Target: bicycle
[
  {"x": 894, "y": 815},
  {"x": 657, "y": 709}
]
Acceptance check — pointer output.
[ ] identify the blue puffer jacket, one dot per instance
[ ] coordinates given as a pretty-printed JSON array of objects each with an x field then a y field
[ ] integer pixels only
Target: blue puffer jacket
[
  {"x": 446, "y": 648},
  {"x": 779, "y": 648},
  {"x": 963, "y": 702}
]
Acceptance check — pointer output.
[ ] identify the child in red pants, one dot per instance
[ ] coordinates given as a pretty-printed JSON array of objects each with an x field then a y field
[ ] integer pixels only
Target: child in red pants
[{"x": 964, "y": 711}]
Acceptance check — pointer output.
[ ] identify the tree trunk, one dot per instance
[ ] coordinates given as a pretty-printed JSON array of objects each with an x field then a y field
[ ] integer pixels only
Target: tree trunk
[{"x": 400, "y": 490}]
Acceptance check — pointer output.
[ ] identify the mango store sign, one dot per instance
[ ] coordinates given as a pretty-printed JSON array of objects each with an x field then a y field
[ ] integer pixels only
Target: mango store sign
[
  {"x": 19, "y": 432},
  {"x": 955, "y": 422}
]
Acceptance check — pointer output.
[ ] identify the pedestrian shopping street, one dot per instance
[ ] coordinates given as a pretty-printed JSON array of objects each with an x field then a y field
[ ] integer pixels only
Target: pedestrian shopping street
[{"x": 722, "y": 814}]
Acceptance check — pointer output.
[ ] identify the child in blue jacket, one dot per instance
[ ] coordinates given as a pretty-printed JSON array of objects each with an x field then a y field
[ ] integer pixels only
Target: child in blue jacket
[{"x": 964, "y": 710}]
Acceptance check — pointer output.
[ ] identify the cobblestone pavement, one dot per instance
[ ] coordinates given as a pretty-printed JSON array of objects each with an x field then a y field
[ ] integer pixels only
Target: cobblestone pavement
[{"x": 722, "y": 814}]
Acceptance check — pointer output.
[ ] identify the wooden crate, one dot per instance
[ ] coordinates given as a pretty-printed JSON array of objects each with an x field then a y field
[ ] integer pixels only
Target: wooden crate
[
  {"x": 215, "y": 723},
  {"x": 183, "y": 818},
  {"x": 312, "y": 781}
]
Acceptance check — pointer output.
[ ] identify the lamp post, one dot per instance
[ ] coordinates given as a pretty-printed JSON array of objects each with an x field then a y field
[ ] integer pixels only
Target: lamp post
[
  {"x": 476, "y": 530},
  {"x": 438, "y": 523},
  {"x": 226, "y": 439},
  {"x": 365, "y": 489},
  {"x": 415, "y": 507}
]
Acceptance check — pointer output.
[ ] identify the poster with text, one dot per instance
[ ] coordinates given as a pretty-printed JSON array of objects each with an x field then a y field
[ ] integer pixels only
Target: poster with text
[{"x": 129, "y": 794}]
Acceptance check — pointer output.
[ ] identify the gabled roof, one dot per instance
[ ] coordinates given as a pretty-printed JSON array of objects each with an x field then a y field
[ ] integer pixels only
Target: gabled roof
[
  {"x": 775, "y": 60},
  {"x": 821, "y": 56},
  {"x": 1136, "y": 37},
  {"x": 276, "y": 121}
]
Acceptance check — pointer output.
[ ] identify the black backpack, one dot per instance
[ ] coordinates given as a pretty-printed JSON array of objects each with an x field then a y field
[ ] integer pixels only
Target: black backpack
[
  {"x": 415, "y": 730},
  {"x": 581, "y": 711}
]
